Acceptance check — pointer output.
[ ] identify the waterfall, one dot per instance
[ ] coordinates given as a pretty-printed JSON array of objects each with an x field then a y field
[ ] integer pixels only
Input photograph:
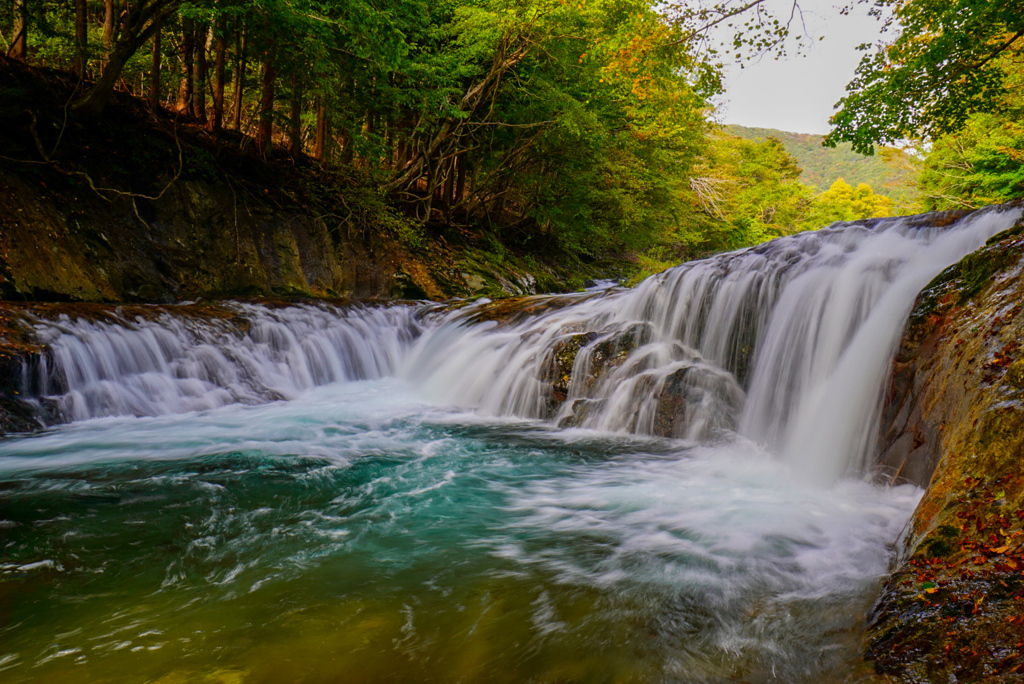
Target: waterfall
[
  {"x": 179, "y": 359},
  {"x": 785, "y": 344}
]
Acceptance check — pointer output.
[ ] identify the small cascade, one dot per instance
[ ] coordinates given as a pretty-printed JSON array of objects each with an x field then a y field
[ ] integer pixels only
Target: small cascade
[
  {"x": 786, "y": 344},
  {"x": 177, "y": 359}
]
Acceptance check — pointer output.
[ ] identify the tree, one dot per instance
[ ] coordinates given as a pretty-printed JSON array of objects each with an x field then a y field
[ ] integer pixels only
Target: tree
[
  {"x": 81, "y": 37},
  {"x": 19, "y": 38},
  {"x": 746, "y": 192},
  {"x": 981, "y": 164},
  {"x": 220, "y": 62},
  {"x": 576, "y": 125},
  {"x": 265, "y": 131},
  {"x": 843, "y": 202},
  {"x": 943, "y": 66},
  {"x": 139, "y": 21}
]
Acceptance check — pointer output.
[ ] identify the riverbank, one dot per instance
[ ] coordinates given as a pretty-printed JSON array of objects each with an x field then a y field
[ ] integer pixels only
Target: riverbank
[
  {"x": 141, "y": 206},
  {"x": 148, "y": 208},
  {"x": 954, "y": 422}
]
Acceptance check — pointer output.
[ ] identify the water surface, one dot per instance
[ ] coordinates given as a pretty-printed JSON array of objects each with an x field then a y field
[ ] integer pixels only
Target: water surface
[{"x": 359, "y": 534}]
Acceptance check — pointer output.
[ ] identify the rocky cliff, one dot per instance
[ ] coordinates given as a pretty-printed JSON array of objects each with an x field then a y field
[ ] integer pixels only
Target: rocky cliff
[{"x": 953, "y": 609}]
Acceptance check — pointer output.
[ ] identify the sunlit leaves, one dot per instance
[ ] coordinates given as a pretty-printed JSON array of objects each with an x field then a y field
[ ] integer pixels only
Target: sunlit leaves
[{"x": 942, "y": 67}]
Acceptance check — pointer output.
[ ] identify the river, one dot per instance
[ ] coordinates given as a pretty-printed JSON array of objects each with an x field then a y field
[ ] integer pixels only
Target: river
[{"x": 312, "y": 492}]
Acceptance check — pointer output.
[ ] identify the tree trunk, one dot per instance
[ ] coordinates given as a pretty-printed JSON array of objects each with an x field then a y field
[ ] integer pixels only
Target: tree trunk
[
  {"x": 199, "y": 98},
  {"x": 154, "y": 75},
  {"x": 295, "y": 120},
  {"x": 108, "y": 26},
  {"x": 347, "y": 149},
  {"x": 239, "y": 79},
  {"x": 460, "y": 183},
  {"x": 81, "y": 36},
  {"x": 389, "y": 142},
  {"x": 320, "y": 148},
  {"x": 188, "y": 40},
  {"x": 94, "y": 101},
  {"x": 449, "y": 185},
  {"x": 218, "y": 71},
  {"x": 19, "y": 42},
  {"x": 265, "y": 131},
  {"x": 139, "y": 23}
]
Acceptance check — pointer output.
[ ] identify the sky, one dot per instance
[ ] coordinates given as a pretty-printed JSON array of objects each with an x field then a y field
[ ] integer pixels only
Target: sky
[{"x": 797, "y": 93}]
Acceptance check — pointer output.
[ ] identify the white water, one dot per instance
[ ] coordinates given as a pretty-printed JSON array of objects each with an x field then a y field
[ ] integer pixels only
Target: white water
[
  {"x": 414, "y": 513},
  {"x": 174, "y": 364},
  {"x": 359, "y": 529},
  {"x": 815, "y": 317},
  {"x": 786, "y": 344}
]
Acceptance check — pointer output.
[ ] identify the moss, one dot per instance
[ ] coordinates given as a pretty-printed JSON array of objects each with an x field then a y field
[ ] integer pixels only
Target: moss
[
  {"x": 974, "y": 270},
  {"x": 1015, "y": 374},
  {"x": 938, "y": 549}
]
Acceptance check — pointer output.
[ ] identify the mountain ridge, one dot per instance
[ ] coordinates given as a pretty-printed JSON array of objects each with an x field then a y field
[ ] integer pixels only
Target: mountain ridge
[{"x": 891, "y": 172}]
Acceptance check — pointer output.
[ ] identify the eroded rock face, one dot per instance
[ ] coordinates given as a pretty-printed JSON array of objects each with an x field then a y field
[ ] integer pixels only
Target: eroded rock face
[
  {"x": 953, "y": 610},
  {"x": 697, "y": 400},
  {"x": 19, "y": 352},
  {"x": 603, "y": 352}
]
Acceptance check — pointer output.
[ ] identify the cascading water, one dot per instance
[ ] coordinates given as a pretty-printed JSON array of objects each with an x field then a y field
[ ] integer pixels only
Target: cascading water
[
  {"x": 187, "y": 526},
  {"x": 248, "y": 354},
  {"x": 807, "y": 324}
]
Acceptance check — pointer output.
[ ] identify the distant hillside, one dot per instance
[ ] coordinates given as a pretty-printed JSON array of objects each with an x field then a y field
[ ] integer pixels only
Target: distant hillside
[{"x": 890, "y": 172}]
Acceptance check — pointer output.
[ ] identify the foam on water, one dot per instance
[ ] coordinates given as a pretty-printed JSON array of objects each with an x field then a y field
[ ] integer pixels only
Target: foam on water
[
  {"x": 413, "y": 512},
  {"x": 429, "y": 534},
  {"x": 175, "y": 364},
  {"x": 787, "y": 343}
]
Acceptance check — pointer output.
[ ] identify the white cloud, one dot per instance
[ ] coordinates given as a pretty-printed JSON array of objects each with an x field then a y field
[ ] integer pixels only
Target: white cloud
[{"x": 797, "y": 93}]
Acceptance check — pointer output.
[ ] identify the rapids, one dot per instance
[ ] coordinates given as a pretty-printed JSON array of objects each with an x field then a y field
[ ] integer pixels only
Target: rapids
[{"x": 325, "y": 493}]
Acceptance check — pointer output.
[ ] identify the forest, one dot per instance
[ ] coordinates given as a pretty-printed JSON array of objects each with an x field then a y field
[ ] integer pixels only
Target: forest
[
  {"x": 893, "y": 171},
  {"x": 584, "y": 127}
]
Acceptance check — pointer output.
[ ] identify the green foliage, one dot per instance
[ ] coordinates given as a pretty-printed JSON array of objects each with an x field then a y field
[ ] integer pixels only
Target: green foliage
[
  {"x": 892, "y": 171},
  {"x": 765, "y": 199},
  {"x": 745, "y": 192},
  {"x": 574, "y": 127},
  {"x": 943, "y": 66},
  {"x": 981, "y": 164},
  {"x": 843, "y": 202}
]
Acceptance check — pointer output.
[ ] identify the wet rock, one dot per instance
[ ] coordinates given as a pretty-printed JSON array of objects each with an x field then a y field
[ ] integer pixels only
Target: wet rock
[
  {"x": 17, "y": 416},
  {"x": 953, "y": 609},
  {"x": 513, "y": 310},
  {"x": 580, "y": 411},
  {"x": 955, "y": 345},
  {"x": 605, "y": 351},
  {"x": 697, "y": 402},
  {"x": 19, "y": 356},
  {"x": 564, "y": 356}
]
